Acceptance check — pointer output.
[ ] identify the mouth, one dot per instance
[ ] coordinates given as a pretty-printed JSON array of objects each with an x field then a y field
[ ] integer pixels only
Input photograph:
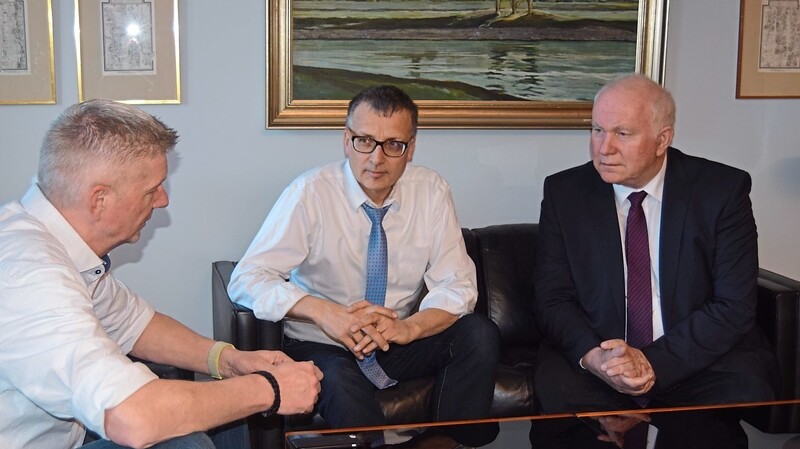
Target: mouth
[{"x": 374, "y": 174}]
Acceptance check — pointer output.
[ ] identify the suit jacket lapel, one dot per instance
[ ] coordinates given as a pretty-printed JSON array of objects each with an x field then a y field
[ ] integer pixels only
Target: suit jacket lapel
[
  {"x": 675, "y": 202},
  {"x": 602, "y": 213}
]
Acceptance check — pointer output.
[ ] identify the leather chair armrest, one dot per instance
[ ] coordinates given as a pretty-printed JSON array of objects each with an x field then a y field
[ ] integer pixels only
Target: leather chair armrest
[
  {"x": 777, "y": 315},
  {"x": 237, "y": 324},
  {"x": 778, "y": 311}
]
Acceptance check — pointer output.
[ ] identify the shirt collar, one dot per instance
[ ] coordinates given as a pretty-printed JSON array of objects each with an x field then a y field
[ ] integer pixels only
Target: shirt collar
[
  {"x": 355, "y": 194},
  {"x": 43, "y": 210},
  {"x": 654, "y": 188}
]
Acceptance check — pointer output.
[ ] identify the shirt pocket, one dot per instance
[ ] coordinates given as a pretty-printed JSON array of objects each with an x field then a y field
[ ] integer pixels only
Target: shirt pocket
[{"x": 408, "y": 266}]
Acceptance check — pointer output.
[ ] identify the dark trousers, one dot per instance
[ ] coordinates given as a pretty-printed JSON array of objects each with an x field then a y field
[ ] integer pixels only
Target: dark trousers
[
  {"x": 463, "y": 358},
  {"x": 564, "y": 388}
]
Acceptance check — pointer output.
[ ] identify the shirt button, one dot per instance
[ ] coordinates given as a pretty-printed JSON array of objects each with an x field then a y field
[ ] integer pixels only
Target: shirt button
[{"x": 98, "y": 272}]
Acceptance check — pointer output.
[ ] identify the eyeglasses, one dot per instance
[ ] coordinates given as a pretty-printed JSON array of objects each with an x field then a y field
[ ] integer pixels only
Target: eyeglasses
[{"x": 391, "y": 148}]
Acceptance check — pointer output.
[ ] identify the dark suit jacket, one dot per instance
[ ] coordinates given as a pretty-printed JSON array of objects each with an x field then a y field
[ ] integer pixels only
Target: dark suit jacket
[{"x": 708, "y": 269}]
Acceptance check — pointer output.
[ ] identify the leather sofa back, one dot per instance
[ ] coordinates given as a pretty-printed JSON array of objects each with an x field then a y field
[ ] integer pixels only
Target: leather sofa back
[{"x": 505, "y": 263}]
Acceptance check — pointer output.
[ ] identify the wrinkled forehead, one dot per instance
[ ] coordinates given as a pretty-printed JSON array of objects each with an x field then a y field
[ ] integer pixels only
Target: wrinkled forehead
[{"x": 623, "y": 104}]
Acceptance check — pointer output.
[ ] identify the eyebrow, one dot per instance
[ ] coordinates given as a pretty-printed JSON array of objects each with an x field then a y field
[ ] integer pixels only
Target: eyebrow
[{"x": 398, "y": 139}]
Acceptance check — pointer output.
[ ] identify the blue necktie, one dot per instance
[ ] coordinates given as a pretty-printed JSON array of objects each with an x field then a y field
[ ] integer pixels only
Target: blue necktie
[
  {"x": 376, "y": 288},
  {"x": 640, "y": 300}
]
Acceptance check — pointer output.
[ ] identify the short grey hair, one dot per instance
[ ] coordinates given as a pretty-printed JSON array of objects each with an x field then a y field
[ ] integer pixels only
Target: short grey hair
[
  {"x": 92, "y": 133},
  {"x": 662, "y": 103}
]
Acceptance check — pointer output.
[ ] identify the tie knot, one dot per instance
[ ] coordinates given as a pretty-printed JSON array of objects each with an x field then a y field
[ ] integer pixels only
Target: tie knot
[
  {"x": 375, "y": 215},
  {"x": 636, "y": 198}
]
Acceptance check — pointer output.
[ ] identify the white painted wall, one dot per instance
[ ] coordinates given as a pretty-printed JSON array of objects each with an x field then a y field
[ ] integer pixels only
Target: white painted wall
[{"x": 228, "y": 169}]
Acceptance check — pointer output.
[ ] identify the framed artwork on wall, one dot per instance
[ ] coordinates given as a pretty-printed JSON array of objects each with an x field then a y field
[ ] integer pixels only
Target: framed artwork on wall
[
  {"x": 467, "y": 63},
  {"x": 128, "y": 50},
  {"x": 769, "y": 49},
  {"x": 27, "y": 69}
]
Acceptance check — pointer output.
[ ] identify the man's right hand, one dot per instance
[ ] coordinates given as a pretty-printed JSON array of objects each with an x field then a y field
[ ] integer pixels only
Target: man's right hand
[
  {"x": 336, "y": 321},
  {"x": 299, "y": 386},
  {"x": 622, "y": 367}
]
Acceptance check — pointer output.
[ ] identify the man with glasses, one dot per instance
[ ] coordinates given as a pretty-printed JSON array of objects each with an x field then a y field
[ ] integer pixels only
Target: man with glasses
[{"x": 318, "y": 236}]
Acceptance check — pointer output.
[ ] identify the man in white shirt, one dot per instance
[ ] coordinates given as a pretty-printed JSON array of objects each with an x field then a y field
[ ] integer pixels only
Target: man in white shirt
[
  {"x": 66, "y": 324},
  {"x": 316, "y": 237}
]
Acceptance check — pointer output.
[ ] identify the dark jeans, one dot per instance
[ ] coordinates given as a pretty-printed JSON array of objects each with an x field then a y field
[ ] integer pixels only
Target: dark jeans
[
  {"x": 198, "y": 440},
  {"x": 463, "y": 358},
  {"x": 230, "y": 436}
]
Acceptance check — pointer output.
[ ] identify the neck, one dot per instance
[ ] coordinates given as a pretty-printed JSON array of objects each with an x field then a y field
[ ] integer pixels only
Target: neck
[{"x": 83, "y": 226}]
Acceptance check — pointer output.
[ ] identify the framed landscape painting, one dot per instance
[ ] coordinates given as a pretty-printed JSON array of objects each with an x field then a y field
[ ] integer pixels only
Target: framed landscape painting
[{"x": 467, "y": 63}]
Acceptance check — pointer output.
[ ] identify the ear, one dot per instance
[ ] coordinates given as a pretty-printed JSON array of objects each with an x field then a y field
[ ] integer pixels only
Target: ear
[
  {"x": 99, "y": 196},
  {"x": 346, "y": 144},
  {"x": 412, "y": 145},
  {"x": 664, "y": 139}
]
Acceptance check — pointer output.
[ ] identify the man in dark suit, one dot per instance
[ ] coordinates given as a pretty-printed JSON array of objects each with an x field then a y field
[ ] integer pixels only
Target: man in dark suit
[{"x": 702, "y": 345}]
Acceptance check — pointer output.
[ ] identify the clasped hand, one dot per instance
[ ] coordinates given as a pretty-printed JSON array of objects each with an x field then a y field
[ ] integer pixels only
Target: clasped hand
[
  {"x": 298, "y": 381},
  {"x": 623, "y": 367},
  {"x": 362, "y": 327},
  {"x": 375, "y": 327}
]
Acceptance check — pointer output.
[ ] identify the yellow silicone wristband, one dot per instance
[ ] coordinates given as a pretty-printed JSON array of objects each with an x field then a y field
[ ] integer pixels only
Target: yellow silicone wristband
[{"x": 213, "y": 358}]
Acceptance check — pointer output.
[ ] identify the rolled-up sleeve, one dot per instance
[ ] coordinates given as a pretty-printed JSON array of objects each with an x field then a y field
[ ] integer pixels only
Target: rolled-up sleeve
[
  {"x": 259, "y": 280},
  {"x": 450, "y": 277}
]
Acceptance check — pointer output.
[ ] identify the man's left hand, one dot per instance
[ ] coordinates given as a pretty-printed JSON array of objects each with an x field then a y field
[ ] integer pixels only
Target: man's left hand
[
  {"x": 623, "y": 367},
  {"x": 377, "y": 324}
]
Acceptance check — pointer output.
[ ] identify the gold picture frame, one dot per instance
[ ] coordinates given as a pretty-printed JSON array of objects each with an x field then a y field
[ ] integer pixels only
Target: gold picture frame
[
  {"x": 27, "y": 67},
  {"x": 128, "y": 50},
  {"x": 286, "y": 109},
  {"x": 767, "y": 68}
]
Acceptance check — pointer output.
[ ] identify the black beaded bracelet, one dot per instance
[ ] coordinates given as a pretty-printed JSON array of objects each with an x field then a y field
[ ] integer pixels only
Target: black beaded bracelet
[{"x": 276, "y": 403}]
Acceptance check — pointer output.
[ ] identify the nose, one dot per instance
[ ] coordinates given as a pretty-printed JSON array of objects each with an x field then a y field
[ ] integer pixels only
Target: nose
[
  {"x": 162, "y": 199},
  {"x": 605, "y": 143},
  {"x": 377, "y": 154}
]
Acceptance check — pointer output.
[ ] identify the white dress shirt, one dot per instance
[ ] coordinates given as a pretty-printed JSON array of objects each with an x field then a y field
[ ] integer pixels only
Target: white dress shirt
[
  {"x": 317, "y": 233},
  {"x": 65, "y": 327},
  {"x": 652, "y": 213}
]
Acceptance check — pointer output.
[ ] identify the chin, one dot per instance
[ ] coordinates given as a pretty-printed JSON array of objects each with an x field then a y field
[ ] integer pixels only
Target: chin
[{"x": 609, "y": 178}]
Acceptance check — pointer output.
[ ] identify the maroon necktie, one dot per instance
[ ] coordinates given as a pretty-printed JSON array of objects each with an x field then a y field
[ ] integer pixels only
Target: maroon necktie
[
  {"x": 637, "y": 255},
  {"x": 640, "y": 298}
]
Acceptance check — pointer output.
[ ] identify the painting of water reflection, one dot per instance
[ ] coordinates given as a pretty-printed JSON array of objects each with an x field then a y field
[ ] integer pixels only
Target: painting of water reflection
[{"x": 499, "y": 50}]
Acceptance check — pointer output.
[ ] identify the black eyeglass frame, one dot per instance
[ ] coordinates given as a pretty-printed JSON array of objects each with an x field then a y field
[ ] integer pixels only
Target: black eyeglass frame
[{"x": 353, "y": 138}]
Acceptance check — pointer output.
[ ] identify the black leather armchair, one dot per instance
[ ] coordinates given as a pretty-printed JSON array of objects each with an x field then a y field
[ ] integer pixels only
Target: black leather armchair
[{"x": 504, "y": 257}]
